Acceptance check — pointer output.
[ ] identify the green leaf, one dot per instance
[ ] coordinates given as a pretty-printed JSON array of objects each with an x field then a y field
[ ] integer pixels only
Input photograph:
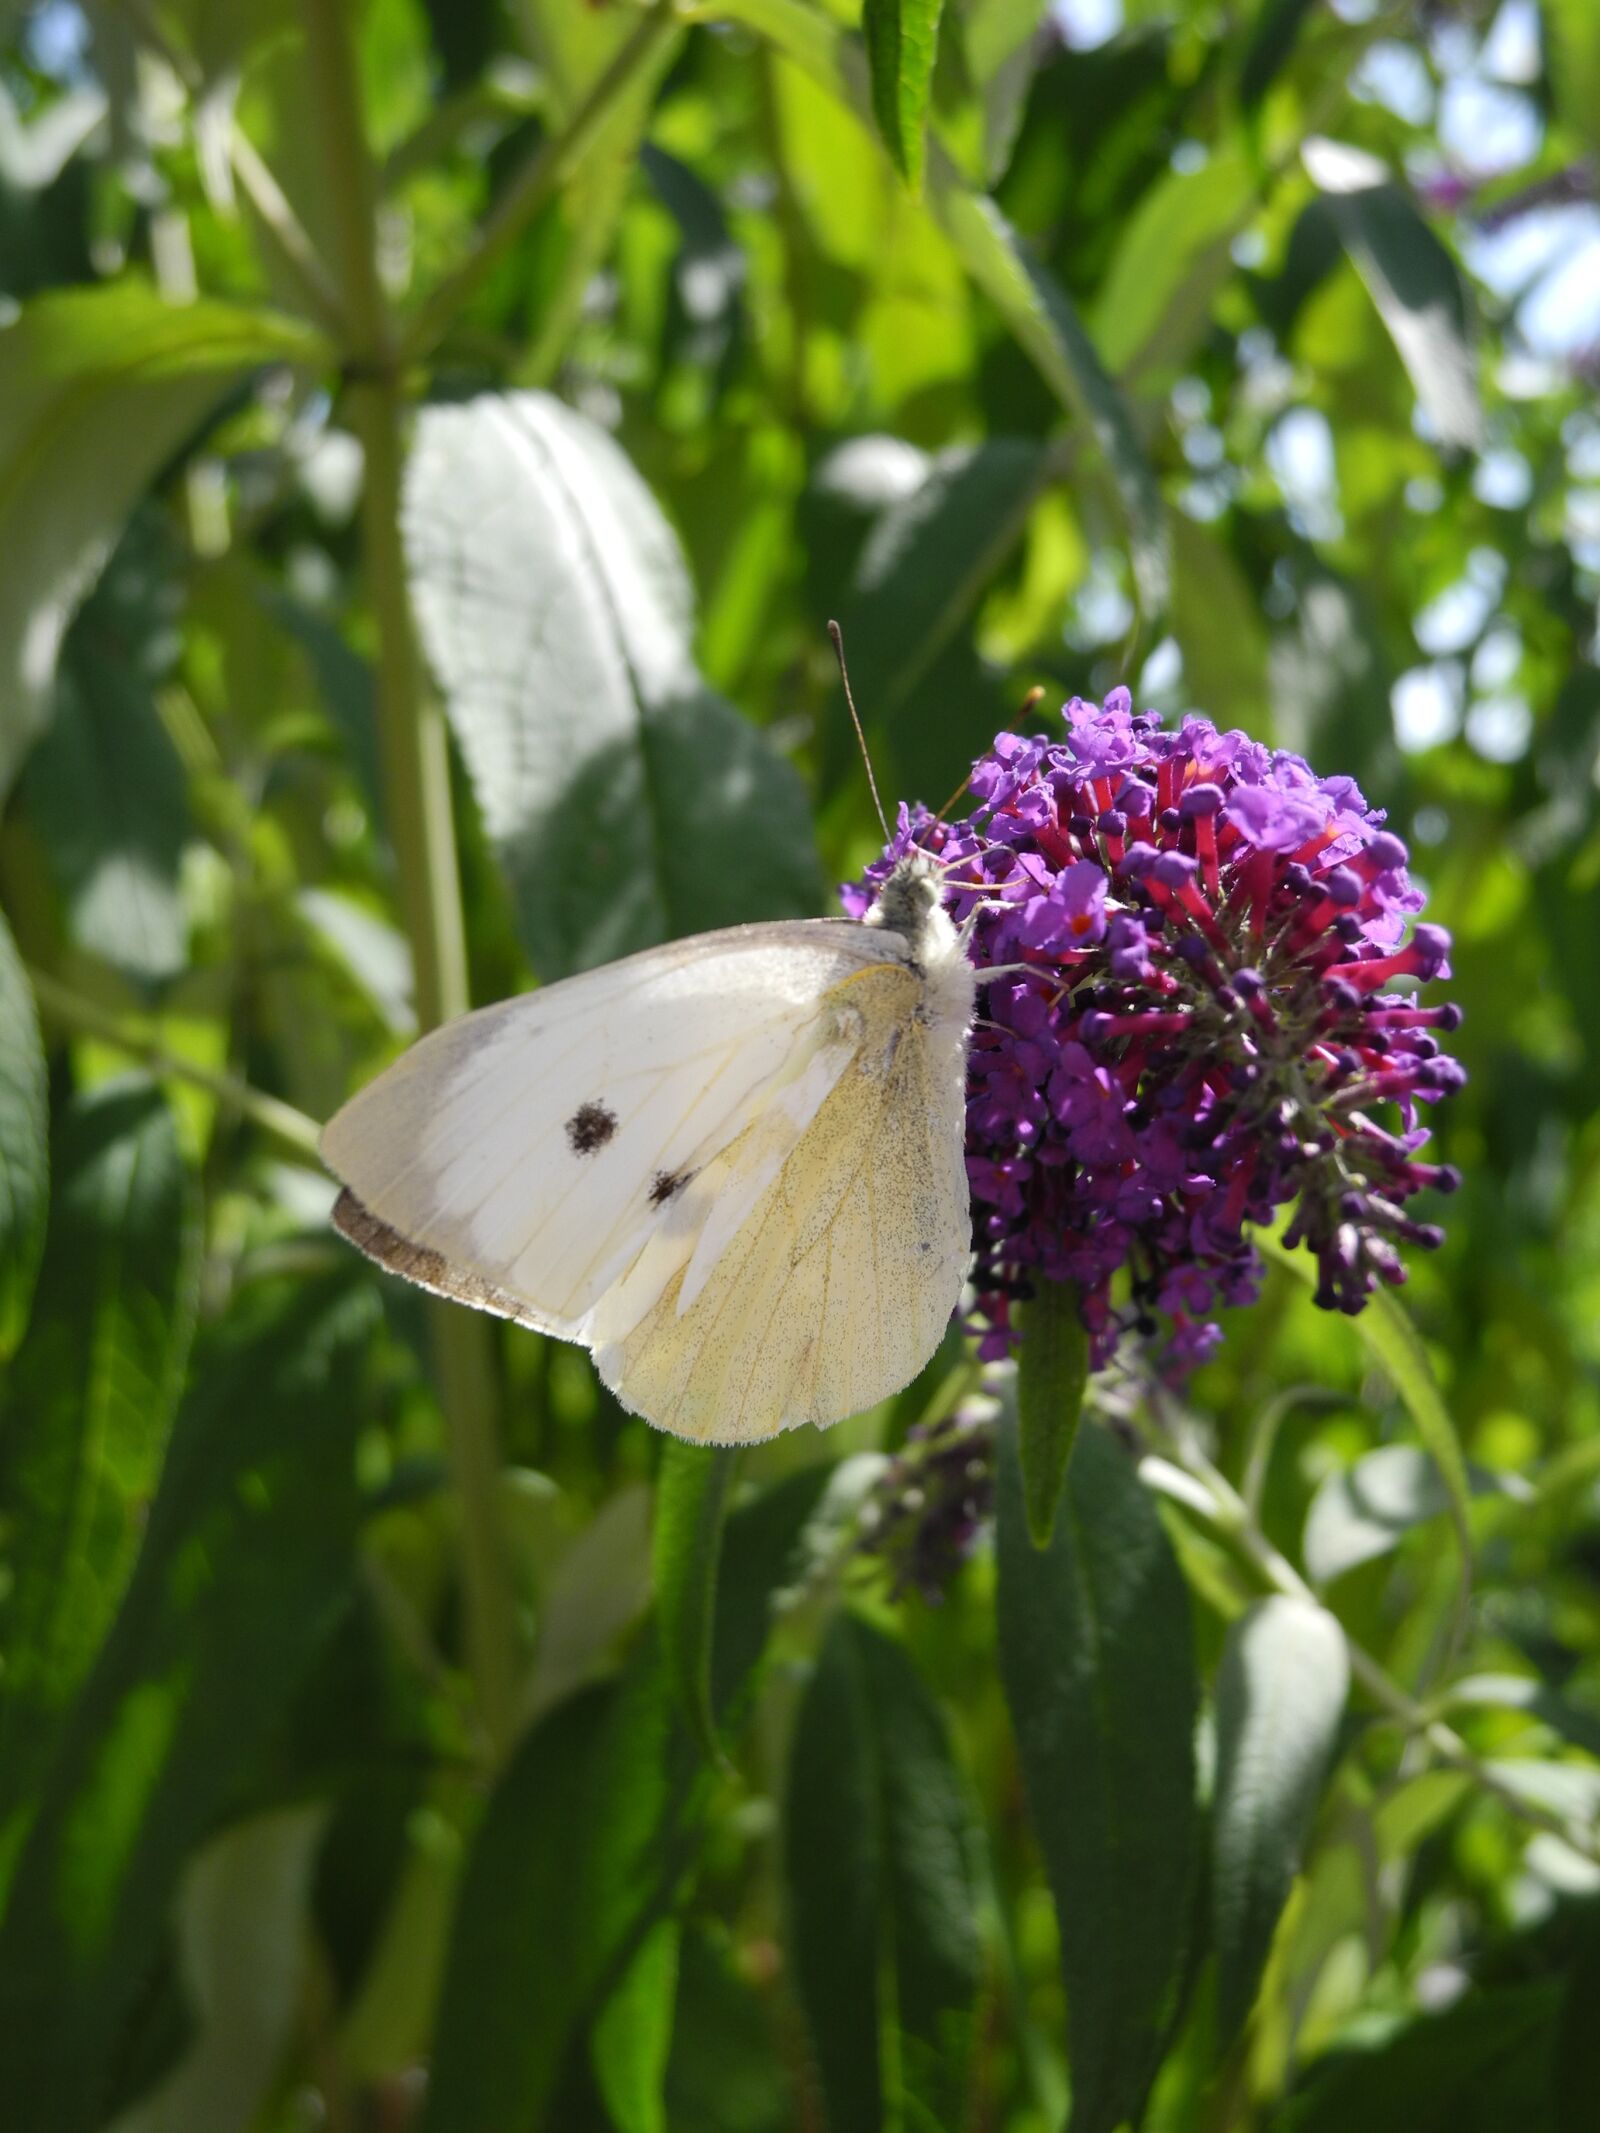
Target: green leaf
[
  {"x": 243, "y": 1953},
  {"x": 545, "y": 576},
  {"x": 1364, "y": 1511},
  {"x": 1169, "y": 268},
  {"x": 98, "y": 388},
  {"x": 1003, "y": 45},
  {"x": 246, "y": 1565},
  {"x": 1273, "y": 38},
  {"x": 724, "y": 2076},
  {"x": 1035, "y": 308},
  {"x": 89, "y": 1404},
  {"x": 1572, "y": 63},
  {"x": 1040, "y": 314},
  {"x": 902, "y": 40},
  {"x": 582, "y": 1845},
  {"x": 1413, "y": 281},
  {"x": 1480, "y": 2067},
  {"x": 24, "y": 1145},
  {"x": 1052, "y": 1377},
  {"x": 1281, "y": 1693},
  {"x": 1522, "y": 1692},
  {"x": 632, "y": 2038},
  {"x": 930, "y": 555},
  {"x": 692, "y": 1485},
  {"x": 105, "y": 788},
  {"x": 1099, "y": 1673},
  {"x": 1394, "y": 1343},
  {"x": 877, "y": 1850}
]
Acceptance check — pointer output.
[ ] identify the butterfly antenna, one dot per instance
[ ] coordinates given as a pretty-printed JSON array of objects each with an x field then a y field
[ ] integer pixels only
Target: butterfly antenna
[{"x": 837, "y": 635}]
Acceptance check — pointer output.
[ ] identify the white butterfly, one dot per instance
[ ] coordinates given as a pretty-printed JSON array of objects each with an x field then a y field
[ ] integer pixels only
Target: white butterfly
[{"x": 731, "y": 1167}]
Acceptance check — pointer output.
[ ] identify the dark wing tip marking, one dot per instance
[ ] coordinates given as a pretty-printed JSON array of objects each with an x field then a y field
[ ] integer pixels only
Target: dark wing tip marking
[
  {"x": 429, "y": 1269},
  {"x": 590, "y": 1127}
]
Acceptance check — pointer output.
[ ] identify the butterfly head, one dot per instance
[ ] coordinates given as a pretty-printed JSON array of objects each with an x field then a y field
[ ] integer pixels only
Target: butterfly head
[{"x": 910, "y": 903}]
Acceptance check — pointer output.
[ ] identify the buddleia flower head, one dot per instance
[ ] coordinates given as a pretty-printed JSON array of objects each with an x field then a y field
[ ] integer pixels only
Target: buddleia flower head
[{"x": 1205, "y": 1028}]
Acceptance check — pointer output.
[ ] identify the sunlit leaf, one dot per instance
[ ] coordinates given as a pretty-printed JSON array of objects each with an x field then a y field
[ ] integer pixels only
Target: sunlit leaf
[
  {"x": 98, "y": 387},
  {"x": 880, "y": 1886},
  {"x": 1168, "y": 268},
  {"x": 546, "y": 577},
  {"x": 1098, "y": 1668},
  {"x": 245, "y": 1566},
  {"x": 632, "y": 2039},
  {"x": 1280, "y": 1696},
  {"x": 24, "y": 1145},
  {"x": 901, "y": 37},
  {"x": 1413, "y": 281}
]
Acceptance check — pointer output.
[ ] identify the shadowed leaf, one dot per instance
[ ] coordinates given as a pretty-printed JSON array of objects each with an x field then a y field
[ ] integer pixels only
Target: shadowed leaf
[{"x": 1099, "y": 1674}]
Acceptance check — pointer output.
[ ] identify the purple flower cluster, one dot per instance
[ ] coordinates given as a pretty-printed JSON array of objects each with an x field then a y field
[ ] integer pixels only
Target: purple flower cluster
[
  {"x": 1201, "y": 1032},
  {"x": 933, "y": 1500}
]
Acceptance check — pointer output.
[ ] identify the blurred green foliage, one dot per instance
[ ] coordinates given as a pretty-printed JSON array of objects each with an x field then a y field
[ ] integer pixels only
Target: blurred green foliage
[{"x": 433, "y": 437}]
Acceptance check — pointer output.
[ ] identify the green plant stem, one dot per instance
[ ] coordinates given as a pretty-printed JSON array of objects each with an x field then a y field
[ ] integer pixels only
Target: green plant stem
[
  {"x": 1208, "y": 1494},
  {"x": 285, "y": 233},
  {"x": 537, "y": 181},
  {"x": 416, "y": 771},
  {"x": 69, "y": 1011}
]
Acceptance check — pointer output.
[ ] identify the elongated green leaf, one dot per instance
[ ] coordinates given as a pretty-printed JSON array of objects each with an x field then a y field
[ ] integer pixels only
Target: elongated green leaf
[
  {"x": 880, "y": 1891},
  {"x": 1169, "y": 268},
  {"x": 546, "y": 577},
  {"x": 245, "y": 1566},
  {"x": 1280, "y": 1696},
  {"x": 928, "y": 559},
  {"x": 1040, "y": 314},
  {"x": 24, "y": 1145},
  {"x": 1052, "y": 1376},
  {"x": 583, "y": 1843},
  {"x": 1480, "y": 2067},
  {"x": 106, "y": 790},
  {"x": 98, "y": 387},
  {"x": 1003, "y": 44},
  {"x": 632, "y": 2039},
  {"x": 241, "y": 1929},
  {"x": 902, "y": 38},
  {"x": 1099, "y": 1674},
  {"x": 1413, "y": 281},
  {"x": 89, "y": 1404},
  {"x": 692, "y": 1486},
  {"x": 1273, "y": 37}
]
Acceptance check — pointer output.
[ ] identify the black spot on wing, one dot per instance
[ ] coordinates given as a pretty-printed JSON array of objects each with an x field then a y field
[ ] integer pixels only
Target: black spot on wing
[
  {"x": 589, "y": 1128},
  {"x": 666, "y": 1185}
]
